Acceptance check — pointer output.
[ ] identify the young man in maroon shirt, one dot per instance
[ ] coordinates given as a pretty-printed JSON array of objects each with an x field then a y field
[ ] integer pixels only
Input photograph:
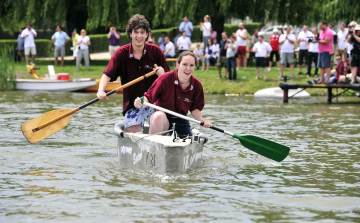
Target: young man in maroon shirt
[
  {"x": 176, "y": 91},
  {"x": 129, "y": 62}
]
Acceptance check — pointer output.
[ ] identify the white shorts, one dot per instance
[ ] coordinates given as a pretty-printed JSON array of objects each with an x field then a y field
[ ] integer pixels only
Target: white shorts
[
  {"x": 137, "y": 116},
  {"x": 112, "y": 49},
  {"x": 341, "y": 46},
  {"x": 75, "y": 50},
  {"x": 29, "y": 50}
]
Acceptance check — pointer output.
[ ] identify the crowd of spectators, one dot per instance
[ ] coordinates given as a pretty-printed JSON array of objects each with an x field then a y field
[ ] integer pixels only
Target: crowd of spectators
[{"x": 315, "y": 48}]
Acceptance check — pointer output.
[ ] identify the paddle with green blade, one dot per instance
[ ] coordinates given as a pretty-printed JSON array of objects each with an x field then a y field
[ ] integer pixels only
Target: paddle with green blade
[
  {"x": 264, "y": 147},
  {"x": 51, "y": 122}
]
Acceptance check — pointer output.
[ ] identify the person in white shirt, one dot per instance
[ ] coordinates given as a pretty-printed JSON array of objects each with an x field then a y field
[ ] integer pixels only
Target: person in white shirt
[
  {"x": 231, "y": 47},
  {"x": 83, "y": 41},
  {"x": 169, "y": 48},
  {"x": 313, "y": 46},
  {"x": 241, "y": 42},
  {"x": 261, "y": 49},
  {"x": 342, "y": 40},
  {"x": 286, "y": 42},
  {"x": 183, "y": 43},
  {"x": 198, "y": 54},
  {"x": 205, "y": 28},
  {"x": 303, "y": 39},
  {"x": 28, "y": 35},
  {"x": 161, "y": 41},
  {"x": 210, "y": 55}
]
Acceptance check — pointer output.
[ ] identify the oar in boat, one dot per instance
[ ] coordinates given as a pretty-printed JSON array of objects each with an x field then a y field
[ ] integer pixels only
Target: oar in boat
[
  {"x": 53, "y": 121},
  {"x": 264, "y": 147}
]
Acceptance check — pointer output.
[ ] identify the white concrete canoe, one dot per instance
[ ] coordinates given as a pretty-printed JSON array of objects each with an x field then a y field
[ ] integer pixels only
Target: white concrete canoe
[
  {"x": 277, "y": 92},
  {"x": 53, "y": 85}
]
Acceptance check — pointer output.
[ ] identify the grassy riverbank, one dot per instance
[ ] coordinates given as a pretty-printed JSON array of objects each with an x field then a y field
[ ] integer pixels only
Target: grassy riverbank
[{"x": 245, "y": 83}]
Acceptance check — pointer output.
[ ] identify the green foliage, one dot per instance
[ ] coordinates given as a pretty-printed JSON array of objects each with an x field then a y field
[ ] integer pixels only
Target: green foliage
[{"x": 7, "y": 69}]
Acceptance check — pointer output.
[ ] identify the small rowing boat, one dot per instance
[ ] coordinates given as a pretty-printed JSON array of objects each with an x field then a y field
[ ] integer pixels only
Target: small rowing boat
[
  {"x": 53, "y": 85},
  {"x": 158, "y": 153}
]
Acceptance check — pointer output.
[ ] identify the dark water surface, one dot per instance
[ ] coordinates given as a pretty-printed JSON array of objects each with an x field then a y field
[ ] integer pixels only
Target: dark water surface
[{"x": 74, "y": 176}]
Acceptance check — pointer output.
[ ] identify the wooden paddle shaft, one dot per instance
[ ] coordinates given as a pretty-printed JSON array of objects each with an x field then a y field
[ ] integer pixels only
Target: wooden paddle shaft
[{"x": 94, "y": 100}]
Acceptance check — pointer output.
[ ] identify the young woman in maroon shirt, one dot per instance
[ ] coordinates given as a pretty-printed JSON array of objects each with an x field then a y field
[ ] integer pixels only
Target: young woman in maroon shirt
[{"x": 177, "y": 91}]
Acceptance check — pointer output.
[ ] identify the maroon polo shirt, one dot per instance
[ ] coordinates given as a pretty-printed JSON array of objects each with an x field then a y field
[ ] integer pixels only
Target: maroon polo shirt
[
  {"x": 166, "y": 92},
  {"x": 340, "y": 70},
  {"x": 124, "y": 65}
]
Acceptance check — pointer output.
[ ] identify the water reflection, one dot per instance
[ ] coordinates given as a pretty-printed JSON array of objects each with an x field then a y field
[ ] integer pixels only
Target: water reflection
[{"x": 73, "y": 175}]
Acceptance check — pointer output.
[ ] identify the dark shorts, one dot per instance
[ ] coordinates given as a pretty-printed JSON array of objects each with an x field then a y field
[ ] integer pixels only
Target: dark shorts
[
  {"x": 241, "y": 51},
  {"x": 355, "y": 61},
  {"x": 182, "y": 127},
  {"x": 276, "y": 54},
  {"x": 303, "y": 55},
  {"x": 324, "y": 59},
  {"x": 260, "y": 62},
  {"x": 221, "y": 61}
]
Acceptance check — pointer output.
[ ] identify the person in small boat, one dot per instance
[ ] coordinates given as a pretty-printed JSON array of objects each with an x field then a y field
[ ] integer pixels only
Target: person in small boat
[
  {"x": 130, "y": 62},
  {"x": 178, "y": 91}
]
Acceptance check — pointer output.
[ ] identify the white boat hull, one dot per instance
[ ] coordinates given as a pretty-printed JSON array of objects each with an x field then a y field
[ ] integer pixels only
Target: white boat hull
[
  {"x": 53, "y": 85},
  {"x": 277, "y": 92},
  {"x": 157, "y": 153}
]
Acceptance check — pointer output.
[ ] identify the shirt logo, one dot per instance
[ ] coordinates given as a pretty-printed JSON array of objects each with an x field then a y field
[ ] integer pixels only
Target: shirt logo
[
  {"x": 187, "y": 100},
  {"x": 176, "y": 82},
  {"x": 131, "y": 55},
  {"x": 192, "y": 87},
  {"x": 144, "y": 51}
]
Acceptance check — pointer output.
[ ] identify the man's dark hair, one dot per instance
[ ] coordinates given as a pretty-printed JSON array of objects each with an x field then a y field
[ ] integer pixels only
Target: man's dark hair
[
  {"x": 29, "y": 24},
  {"x": 324, "y": 22},
  {"x": 261, "y": 36},
  {"x": 338, "y": 55},
  {"x": 137, "y": 22},
  {"x": 61, "y": 28}
]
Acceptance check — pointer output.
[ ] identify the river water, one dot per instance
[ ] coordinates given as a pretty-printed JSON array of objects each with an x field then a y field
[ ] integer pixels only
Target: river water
[{"x": 73, "y": 175}]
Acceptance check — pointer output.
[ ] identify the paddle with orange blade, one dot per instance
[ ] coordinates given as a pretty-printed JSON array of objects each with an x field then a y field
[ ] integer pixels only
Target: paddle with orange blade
[{"x": 51, "y": 122}]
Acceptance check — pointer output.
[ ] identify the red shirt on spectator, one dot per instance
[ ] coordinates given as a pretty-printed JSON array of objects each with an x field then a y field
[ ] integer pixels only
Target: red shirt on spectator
[
  {"x": 166, "y": 92},
  {"x": 340, "y": 70},
  {"x": 274, "y": 42},
  {"x": 123, "y": 64}
]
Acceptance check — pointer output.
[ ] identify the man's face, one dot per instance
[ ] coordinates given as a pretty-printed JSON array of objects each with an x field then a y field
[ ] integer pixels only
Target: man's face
[
  {"x": 28, "y": 27},
  {"x": 338, "y": 59},
  {"x": 260, "y": 39},
  {"x": 167, "y": 39},
  {"x": 342, "y": 27},
  {"x": 186, "y": 19},
  {"x": 314, "y": 30},
  {"x": 288, "y": 30},
  {"x": 138, "y": 36},
  {"x": 58, "y": 29},
  {"x": 305, "y": 28},
  {"x": 223, "y": 35},
  {"x": 322, "y": 26},
  {"x": 241, "y": 26}
]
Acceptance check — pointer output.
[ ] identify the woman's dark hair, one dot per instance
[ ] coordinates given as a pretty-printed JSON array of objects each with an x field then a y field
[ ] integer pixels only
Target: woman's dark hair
[
  {"x": 211, "y": 41},
  {"x": 137, "y": 22},
  {"x": 186, "y": 53}
]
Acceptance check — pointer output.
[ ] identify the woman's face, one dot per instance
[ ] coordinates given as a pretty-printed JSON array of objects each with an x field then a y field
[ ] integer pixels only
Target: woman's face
[
  {"x": 186, "y": 67},
  {"x": 184, "y": 34},
  {"x": 83, "y": 33},
  {"x": 209, "y": 42},
  {"x": 205, "y": 19}
]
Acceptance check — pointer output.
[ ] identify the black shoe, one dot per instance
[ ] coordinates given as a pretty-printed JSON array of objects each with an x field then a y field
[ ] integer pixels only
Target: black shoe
[
  {"x": 316, "y": 80},
  {"x": 310, "y": 82},
  {"x": 299, "y": 73}
]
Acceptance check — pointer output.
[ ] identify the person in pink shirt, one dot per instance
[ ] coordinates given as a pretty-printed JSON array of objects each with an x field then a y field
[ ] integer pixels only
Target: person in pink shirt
[{"x": 325, "y": 51}]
